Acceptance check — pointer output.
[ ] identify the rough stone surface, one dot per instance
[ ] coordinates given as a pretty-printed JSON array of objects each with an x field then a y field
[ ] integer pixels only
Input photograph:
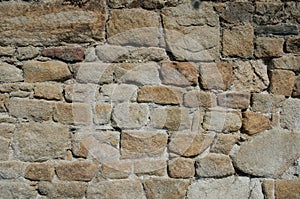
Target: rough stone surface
[
  {"x": 287, "y": 189},
  {"x": 234, "y": 100},
  {"x": 36, "y": 71},
  {"x": 70, "y": 54},
  {"x": 84, "y": 93},
  {"x": 58, "y": 189},
  {"x": 181, "y": 168},
  {"x": 265, "y": 103},
  {"x": 11, "y": 170},
  {"x": 4, "y": 150},
  {"x": 282, "y": 82},
  {"x": 156, "y": 167},
  {"x": 116, "y": 170},
  {"x": 10, "y": 73},
  {"x": 290, "y": 116},
  {"x": 159, "y": 188},
  {"x": 269, "y": 47},
  {"x": 268, "y": 188},
  {"x": 199, "y": 99},
  {"x": 102, "y": 113},
  {"x": 224, "y": 143},
  {"x": 29, "y": 147},
  {"x": 237, "y": 12},
  {"x": 120, "y": 92},
  {"x": 16, "y": 189},
  {"x": 27, "y": 52},
  {"x": 48, "y": 91},
  {"x": 293, "y": 45},
  {"x": 296, "y": 92},
  {"x": 40, "y": 172},
  {"x": 255, "y": 122},
  {"x": 288, "y": 62},
  {"x": 3, "y": 102},
  {"x": 262, "y": 164},
  {"x": 7, "y": 51},
  {"x": 279, "y": 29}
]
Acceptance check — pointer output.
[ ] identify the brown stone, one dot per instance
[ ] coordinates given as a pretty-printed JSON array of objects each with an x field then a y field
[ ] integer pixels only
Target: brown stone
[
  {"x": 243, "y": 41},
  {"x": 179, "y": 73},
  {"x": 296, "y": 92},
  {"x": 268, "y": 188},
  {"x": 293, "y": 45},
  {"x": 116, "y": 170},
  {"x": 160, "y": 95},
  {"x": 102, "y": 113},
  {"x": 48, "y": 91},
  {"x": 138, "y": 144},
  {"x": 12, "y": 169},
  {"x": 189, "y": 144},
  {"x": 224, "y": 143},
  {"x": 255, "y": 122},
  {"x": 236, "y": 100},
  {"x": 71, "y": 54},
  {"x": 269, "y": 47},
  {"x": 6, "y": 130},
  {"x": 287, "y": 189},
  {"x": 62, "y": 189},
  {"x": 51, "y": 23},
  {"x": 76, "y": 171},
  {"x": 282, "y": 82},
  {"x": 39, "y": 171},
  {"x": 162, "y": 188},
  {"x": 3, "y": 102},
  {"x": 181, "y": 168},
  {"x": 288, "y": 62},
  {"x": 10, "y": 73},
  {"x": 156, "y": 167},
  {"x": 216, "y": 75},
  {"x": 199, "y": 99},
  {"x": 36, "y": 71}
]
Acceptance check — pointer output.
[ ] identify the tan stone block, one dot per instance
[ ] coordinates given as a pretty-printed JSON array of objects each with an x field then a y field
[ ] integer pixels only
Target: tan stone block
[
  {"x": 266, "y": 103},
  {"x": 48, "y": 91},
  {"x": 12, "y": 169},
  {"x": 288, "y": 62},
  {"x": 102, "y": 113},
  {"x": 71, "y": 54},
  {"x": 255, "y": 123},
  {"x": 269, "y": 47},
  {"x": 296, "y": 92},
  {"x": 62, "y": 189},
  {"x": 7, "y": 51},
  {"x": 236, "y": 100},
  {"x": 282, "y": 82},
  {"x": 4, "y": 149},
  {"x": 268, "y": 188},
  {"x": 76, "y": 171},
  {"x": 27, "y": 52},
  {"x": 287, "y": 189},
  {"x": 181, "y": 168},
  {"x": 3, "y": 102},
  {"x": 116, "y": 170},
  {"x": 195, "y": 98},
  {"x": 10, "y": 73},
  {"x": 39, "y": 171},
  {"x": 6, "y": 130},
  {"x": 224, "y": 143},
  {"x": 155, "y": 167},
  {"x": 293, "y": 45}
]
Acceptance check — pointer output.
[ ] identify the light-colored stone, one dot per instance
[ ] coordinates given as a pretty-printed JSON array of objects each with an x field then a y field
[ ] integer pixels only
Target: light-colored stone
[
  {"x": 130, "y": 115},
  {"x": 230, "y": 187},
  {"x": 3, "y": 102},
  {"x": 282, "y": 82},
  {"x": 27, "y": 52},
  {"x": 62, "y": 189},
  {"x": 111, "y": 53},
  {"x": 290, "y": 115},
  {"x": 102, "y": 113},
  {"x": 224, "y": 143},
  {"x": 268, "y": 186},
  {"x": 48, "y": 91},
  {"x": 80, "y": 92},
  {"x": 269, "y": 47},
  {"x": 296, "y": 92},
  {"x": 256, "y": 157},
  {"x": 6, "y": 130},
  {"x": 266, "y": 103},
  {"x": 116, "y": 170},
  {"x": 236, "y": 100},
  {"x": 16, "y": 189},
  {"x": 214, "y": 165},
  {"x": 7, "y": 51},
  {"x": 287, "y": 189},
  {"x": 256, "y": 191},
  {"x": 140, "y": 144},
  {"x": 255, "y": 122},
  {"x": 155, "y": 167},
  {"x": 28, "y": 145},
  {"x": 162, "y": 188},
  {"x": 4, "y": 150},
  {"x": 118, "y": 189},
  {"x": 69, "y": 54},
  {"x": 292, "y": 45},
  {"x": 288, "y": 62},
  {"x": 195, "y": 98},
  {"x": 120, "y": 92},
  {"x": 36, "y": 71},
  {"x": 10, "y": 73},
  {"x": 39, "y": 171},
  {"x": 11, "y": 169},
  {"x": 181, "y": 168}
]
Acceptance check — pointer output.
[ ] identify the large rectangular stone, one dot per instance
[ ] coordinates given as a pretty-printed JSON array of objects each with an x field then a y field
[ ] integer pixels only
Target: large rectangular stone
[{"x": 279, "y": 29}]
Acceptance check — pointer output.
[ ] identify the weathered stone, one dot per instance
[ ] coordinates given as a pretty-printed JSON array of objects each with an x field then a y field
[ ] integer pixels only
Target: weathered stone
[
  {"x": 256, "y": 189},
  {"x": 266, "y": 103},
  {"x": 155, "y": 167},
  {"x": 116, "y": 170},
  {"x": 282, "y": 82},
  {"x": 39, "y": 171},
  {"x": 250, "y": 76},
  {"x": 159, "y": 188},
  {"x": 279, "y": 29},
  {"x": 36, "y": 71},
  {"x": 10, "y": 73},
  {"x": 189, "y": 144},
  {"x": 179, "y": 73},
  {"x": 11, "y": 87},
  {"x": 11, "y": 170},
  {"x": 94, "y": 72},
  {"x": 243, "y": 41},
  {"x": 27, "y": 52},
  {"x": 130, "y": 115},
  {"x": 160, "y": 94},
  {"x": 255, "y": 122},
  {"x": 290, "y": 115},
  {"x": 224, "y": 143},
  {"x": 76, "y": 171},
  {"x": 75, "y": 113},
  {"x": 230, "y": 187},
  {"x": 118, "y": 189},
  {"x": 238, "y": 12},
  {"x": 214, "y": 165},
  {"x": 111, "y": 53},
  {"x": 84, "y": 93},
  {"x": 235, "y": 100},
  {"x": 56, "y": 23},
  {"x": 296, "y": 92},
  {"x": 145, "y": 55},
  {"x": 48, "y": 91},
  {"x": 21, "y": 94},
  {"x": 293, "y": 45},
  {"x": 199, "y": 99},
  {"x": 37, "y": 110},
  {"x": 263, "y": 163},
  {"x": 293, "y": 172},
  {"x": 4, "y": 150},
  {"x": 268, "y": 188},
  {"x": 102, "y": 113},
  {"x": 289, "y": 62},
  {"x": 71, "y": 54},
  {"x": 136, "y": 27},
  {"x": 3, "y": 102},
  {"x": 181, "y": 168},
  {"x": 270, "y": 12},
  {"x": 6, "y": 130},
  {"x": 222, "y": 120},
  {"x": 7, "y": 51},
  {"x": 29, "y": 146},
  {"x": 15, "y": 189},
  {"x": 216, "y": 75},
  {"x": 269, "y": 47},
  {"x": 8, "y": 119},
  {"x": 62, "y": 190},
  {"x": 139, "y": 144},
  {"x": 287, "y": 189},
  {"x": 138, "y": 74},
  {"x": 120, "y": 92}
]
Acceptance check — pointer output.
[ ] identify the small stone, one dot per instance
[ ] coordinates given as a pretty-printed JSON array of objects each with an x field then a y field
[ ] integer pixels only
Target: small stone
[
  {"x": 17, "y": 189},
  {"x": 268, "y": 188},
  {"x": 269, "y": 47},
  {"x": 130, "y": 115},
  {"x": 21, "y": 94},
  {"x": 11, "y": 170},
  {"x": 154, "y": 167},
  {"x": 266, "y": 103},
  {"x": 27, "y": 52},
  {"x": 102, "y": 113},
  {"x": 71, "y": 54},
  {"x": 145, "y": 55},
  {"x": 255, "y": 122},
  {"x": 214, "y": 165},
  {"x": 268, "y": 12},
  {"x": 195, "y": 98},
  {"x": 120, "y": 92},
  {"x": 160, "y": 94},
  {"x": 117, "y": 189},
  {"x": 48, "y": 91},
  {"x": 140, "y": 144},
  {"x": 10, "y": 73},
  {"x": 111, "y": 53},
  {"x": 84, "y": 93},
  {"x": 4, "y": 149},
  {"x": 7, "y": 51},
  {"x": 181, "y": 168},
  {"x": 282, "y": 82},
  {"x": 288, "y": 62},
  {"x": 243, "y": 45},
  {"x": 6, "y": 130},
  {"x": 256, "y": 189},
  {"x": 3, "y": 102},
  {"x": 287, "y": 189},
  {"x": 189, "y": 144},
  {"x": 279, "y": 29},
  {"x": 36, "y": 71},
  {"x": 76, "y": 171},
  {"x": 224, "y": 143},
  {"x": 217, "y": 75},
  {"x": 290, "y": 115},
  {"x": 238, "y": 12},
  {"x": 293, "y": 45},
  {"x": 28, "y": 145},
  {"x": 64, "y": 190},
  {"x": 116, "y": 170},
  {"x": 236, "y": 100},
  {"x": 39, "y": 171},
  {"x": 179, "y": 73},
  {"x": 296, "y": 92}
]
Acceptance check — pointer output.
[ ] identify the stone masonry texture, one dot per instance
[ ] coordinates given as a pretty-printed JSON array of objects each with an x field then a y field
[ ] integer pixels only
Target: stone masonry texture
[{"x": 152, "y": 99}]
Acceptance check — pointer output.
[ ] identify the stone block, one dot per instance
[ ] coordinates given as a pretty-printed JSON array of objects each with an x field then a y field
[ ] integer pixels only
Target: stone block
[
  {"x": 17, "y": 189},
  {"x": 69, "y": 54},
  {"x": 39, "y": 172},
  {"x": 293, "y": 45},
  {"x": 282, "y": 82},
  {"x": 278, "y": 29},
  {"x": 196, "y": 98},
  {"x": 238, "y": 12},
  {"x": 48, "y": 91},
  {"x": 266, "y": 103},
  {"x": 236, "y": 100},
  {"x": 120, "y": 92},
  {"x": 12, "y": 169},
  {"x": 255, "y": 122},
  {"x": 268, "y": 47},
  {"x": 7, "y": 51},
  {"x": 287, "y": 189},
  {"x": 154, "y": 167},
  {"x": 224, "y": 143},
  {"x": 4, "y": 149},
  {"x": 288, "y": 62},
  {"x": 181, "y": 168},
  {"x": 28, "y": 52},
  {"x": 290, "y": 117},
  {"x": 296, "y": 92},
  {"x": 3, "y": 102},
  {"x": 10, "y": 73},
  {"x": 62, "y": 189},
  {"x": 102, "y": 113}
]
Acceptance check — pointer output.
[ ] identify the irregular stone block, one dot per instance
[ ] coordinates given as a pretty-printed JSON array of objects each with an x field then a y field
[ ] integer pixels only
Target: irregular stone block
[
  {"x": 145, "y": 55},
  {"x": 120, "y": 92},
  {"x": 10, "y": 73},
  {"x": 154, "y": 167},
  {"x": 238, "y": 12},
  {"x": 84, "y": 93},
  {"x": 234, "y": 100},
  {"x": 7, "y": 51},
  {"x": 266, "y": 103},
  {"x": 195, "y": 98},
  {"x": 102, "y": 113},
  {"x": 181, "y": 168},
  {"x": 39, "y": 171},
  {"x": 287, "y": 189},
  {"x": 48, "y": 91},
  {"x": 255, "y": 123},
  {"x": 59, "y": 189},
  {"x": 111, "y": 53},
  {"x": 116, "y": 170},
  {"x": 270, "y": 13},
  {"x": 282, "y": 82},
  {"x": 269, "y": 47},
  {"x": 289, "y": 62},
  {"x": 70, "y": 54},
  {"x": 293, "y": 45},
  {"x": 268, "y": 186},
  {"x": 27, "y": 52},
  {"x": 3, "y": 102},
  {"x": 4, "y": 149},
  {"x": 224, "y": 143},
  {"x": 11, "y": 170},
  {"x": 290, "y": 115},
  {"x": 296, "y": 92},
  {"x": 279, "y": 29},
  {"x": 15, "y": 189}
]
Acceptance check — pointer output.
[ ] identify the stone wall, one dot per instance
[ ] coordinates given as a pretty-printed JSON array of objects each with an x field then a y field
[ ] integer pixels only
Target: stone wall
[{"x": 149, "y": 99}]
